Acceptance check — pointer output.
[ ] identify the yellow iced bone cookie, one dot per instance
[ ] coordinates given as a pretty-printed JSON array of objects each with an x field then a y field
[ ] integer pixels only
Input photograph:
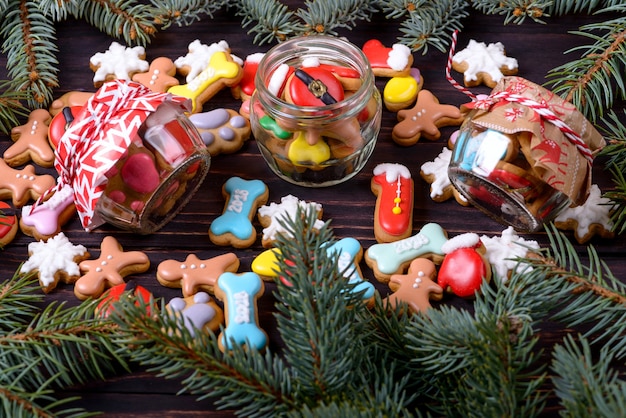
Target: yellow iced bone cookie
[
  {"x": 219, "y": 73},
  {"x": 300, "y": 151}
]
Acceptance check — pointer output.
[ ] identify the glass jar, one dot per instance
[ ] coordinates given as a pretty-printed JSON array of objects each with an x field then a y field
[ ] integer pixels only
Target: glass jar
[
  {"x": 315, "y": 112},
  {"x": 523, "y": 154}
]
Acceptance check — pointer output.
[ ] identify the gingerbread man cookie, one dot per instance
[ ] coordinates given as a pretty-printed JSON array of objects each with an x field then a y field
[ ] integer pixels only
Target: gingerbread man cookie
[
  {"x": 194, "y": 274},
  {"x": 223, "y": 131},
  {"x": 424, "y": 119},
  {"x": 54, "y": 261},
  {"x": 31, "y": 141},
  {"x": 109, "y": 269},
  {"x": 160, "y": 75},
  {"x": 23, "y": 185},
  {"x": 416, "y": 287}
]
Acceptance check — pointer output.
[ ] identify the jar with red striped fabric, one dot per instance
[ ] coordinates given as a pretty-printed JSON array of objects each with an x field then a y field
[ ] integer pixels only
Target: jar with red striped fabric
[{"x": 524, "y": 154}]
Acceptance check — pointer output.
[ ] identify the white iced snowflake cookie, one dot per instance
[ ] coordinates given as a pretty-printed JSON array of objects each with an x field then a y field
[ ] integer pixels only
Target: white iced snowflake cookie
[
  {"x": 591, "y": 218},
  {"x": 503, "y": 252},
  {"x": 54, "y": 260},
  {"x": 436, "y": 173},
  {"x": 483, "y": 64},
  {"x": 198, "y": 58},
  {"x": 118, "y": 63},
  {"x": 270, "y": 217}
]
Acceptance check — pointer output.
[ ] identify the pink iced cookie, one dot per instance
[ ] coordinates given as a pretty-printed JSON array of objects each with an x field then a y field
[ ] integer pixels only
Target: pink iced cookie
[{"x": 47, "y": 218}]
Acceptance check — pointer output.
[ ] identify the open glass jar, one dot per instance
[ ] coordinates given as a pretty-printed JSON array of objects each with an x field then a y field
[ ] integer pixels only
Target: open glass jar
[
  {"x": 316, "y": 112},
  {"x": 524, "y": 154}
]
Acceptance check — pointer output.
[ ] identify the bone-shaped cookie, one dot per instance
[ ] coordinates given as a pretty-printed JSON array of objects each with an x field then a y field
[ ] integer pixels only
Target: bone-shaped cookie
[
  {"x": 239, "y": 293},
  {"x": 350, "y": 252}
]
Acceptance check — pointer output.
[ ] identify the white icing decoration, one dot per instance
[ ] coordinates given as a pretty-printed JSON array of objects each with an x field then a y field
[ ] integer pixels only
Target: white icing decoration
[
  {"x": 286, "y": 209},
  {"x": 242, "y": 307},
  {"x": 311, "y": 62},
  {"x": 398, "y": 57},
  {"x": 467, "y": 240},
  {"x": 482, "y": 58},
  {"x": 198, "y": 57},
  {"x": 51, "y": 256},
  {"x": 278, "y": 78},
  {"x": 595, "y": 210},
  {"x": 119, "y": 61},
  {"x": 255, "y": 58},
  {"x": 438, "y": 168},
  {"x": 392, "y": 171},
  {"x": 503, "y": 251}
]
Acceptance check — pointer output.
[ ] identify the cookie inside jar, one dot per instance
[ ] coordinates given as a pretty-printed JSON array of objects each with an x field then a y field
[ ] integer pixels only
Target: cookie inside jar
[{"x": 164, "y": 165}]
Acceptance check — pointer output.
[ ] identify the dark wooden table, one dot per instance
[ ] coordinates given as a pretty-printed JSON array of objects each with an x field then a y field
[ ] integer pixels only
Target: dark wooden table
[{"x": 538, "y": 48}]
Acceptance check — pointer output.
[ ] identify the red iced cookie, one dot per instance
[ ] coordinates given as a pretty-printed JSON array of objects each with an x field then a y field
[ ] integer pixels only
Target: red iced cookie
[
  {"x": 464, "y": 267},
  {"x": 313, "y": 86},
  {"x": 60, "y": 122},
  {"x": 140, "y": 174}
]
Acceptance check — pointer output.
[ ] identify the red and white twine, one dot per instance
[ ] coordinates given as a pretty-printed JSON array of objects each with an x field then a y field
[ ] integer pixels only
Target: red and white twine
[{"x": 542, "y": 109}]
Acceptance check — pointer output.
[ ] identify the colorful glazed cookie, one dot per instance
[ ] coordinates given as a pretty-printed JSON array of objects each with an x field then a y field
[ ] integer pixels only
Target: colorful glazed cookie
[
  {"x": 31, "y": 141},
  {"x": 60, "y": 123},
  {"x": 194, "y": 275},
  {"x": 246, "y": 86},
  {"x": 590, "y": 219},
  {"x": 503, "y": 253},
  {"x": 424, "y": 119},
  {"x": 436, "y": 173},
  {"x": 393, "y": 216},
  {"x": 220, "y": 72},
  {"x": 313, "y": 86},
  {"x": 223, "y": 131},
  {"x": 240, "y": 293},
  {"x": 108, "y": 270},
  {"x": 464, "y": 268},
  {"x": 395, "y": 257},
  {"x": 198, "y": 57},
  {"x": 234, "y": 226},
  {"x": 130, "y": 290},
  {"x": 69, "y": 99},
  {"x": 349, "y": 253},
  {"x": 266, "y": 264},
  {"x": 303, "y": 153},
  {"x": 118, "y": 63},
  {"x": 400, "y": 92},
  {"x": 198, "y": 312},
  {"x": 160, "y": 75},
  {"x": 8, "y": 224},
  {"x": 415, "y": 288},
  {"x": 46, "y": 219},
  {"x": 23, "y": 185},
  {"x": 388, "y": 62},
  {"x": 483, "y": 64},
  {"x": 273, "y": 215},
  {"x": 54, "y": 261}
]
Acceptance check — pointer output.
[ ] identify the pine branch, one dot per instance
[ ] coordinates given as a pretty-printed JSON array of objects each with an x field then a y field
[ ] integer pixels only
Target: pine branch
[
  {"x": 269, "y": 20},
  {"x": 327, "y": 15}
]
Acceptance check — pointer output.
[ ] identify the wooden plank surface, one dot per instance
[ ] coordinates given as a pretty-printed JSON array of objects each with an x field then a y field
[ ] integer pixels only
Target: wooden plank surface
[{"x": 538, "y": 48}]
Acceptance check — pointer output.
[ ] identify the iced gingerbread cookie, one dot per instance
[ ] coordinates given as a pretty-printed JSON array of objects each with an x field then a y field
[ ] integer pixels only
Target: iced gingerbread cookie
[
  {"x": 270, "y": 217},
  {"x": 234, "y": 226},
  {"x": 393, "y": 216},
  {"x": 60, "y": 123},
  {"x": 54, "y": 261},
  {"x": 223, "y": 131},
  {"x": 240, "y": 293},
  {"x": 117, "y": 63},
  {"x": 387, "y": 259},
  {"x": 388, "y": 62},
  {"x": 244, "y": 89},
  {"x": 193, "y": 274},
  {"x": 108, "y": 270},
  {"x": 349, "y": 253},
  {"x": 23, "y": 185},
  {"x": 46, "y": 219},
  {"x": 221, "y": 71},
  {"x": 160, "y": 75},
  {"x": 503, "y": 251},
  {"x": 69, "y": 99},
  {"x": 8, "y": 224},
  {"x": 198, "y": 57},
  {"x": 483, "y": 64},
  {"x": 436, "y": 173},
  {"x": 130, "y": 290},
  {"x": 31, "y": 141},
  {"x": 415, "y": 288},
  {"x": 589, "y": 219},
  {"x": 465, "y": 267},
  {"x": 198, "y": 312},
  {"x": 424, "y": 119},
  {"x": 401, "y": 92}
]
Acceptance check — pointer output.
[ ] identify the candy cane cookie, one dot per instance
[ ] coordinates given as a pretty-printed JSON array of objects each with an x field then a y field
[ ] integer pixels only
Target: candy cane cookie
[
  {"x": 393, "y": 216},
  {"x": 234, "y": 226},
  {"x": 240, "y": 293},
  {"x": 386, "y": 259}
]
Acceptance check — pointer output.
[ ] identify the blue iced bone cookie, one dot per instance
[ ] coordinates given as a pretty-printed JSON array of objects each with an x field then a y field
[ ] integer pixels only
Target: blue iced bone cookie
[{"x": 349, "y": 251}]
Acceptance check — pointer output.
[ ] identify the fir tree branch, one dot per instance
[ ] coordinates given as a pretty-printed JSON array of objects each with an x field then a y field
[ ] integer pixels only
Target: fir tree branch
[
  {"x": 268, "y": 20},
  {"x": 19, "y": 297},
  {"x": 327, "y": 15}
]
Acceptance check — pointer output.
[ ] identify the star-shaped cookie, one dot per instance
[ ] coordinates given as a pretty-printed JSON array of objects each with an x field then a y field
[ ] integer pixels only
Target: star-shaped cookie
[
  {"x": 109, "y": 269},
  {"x": 424, "y": 119}
]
